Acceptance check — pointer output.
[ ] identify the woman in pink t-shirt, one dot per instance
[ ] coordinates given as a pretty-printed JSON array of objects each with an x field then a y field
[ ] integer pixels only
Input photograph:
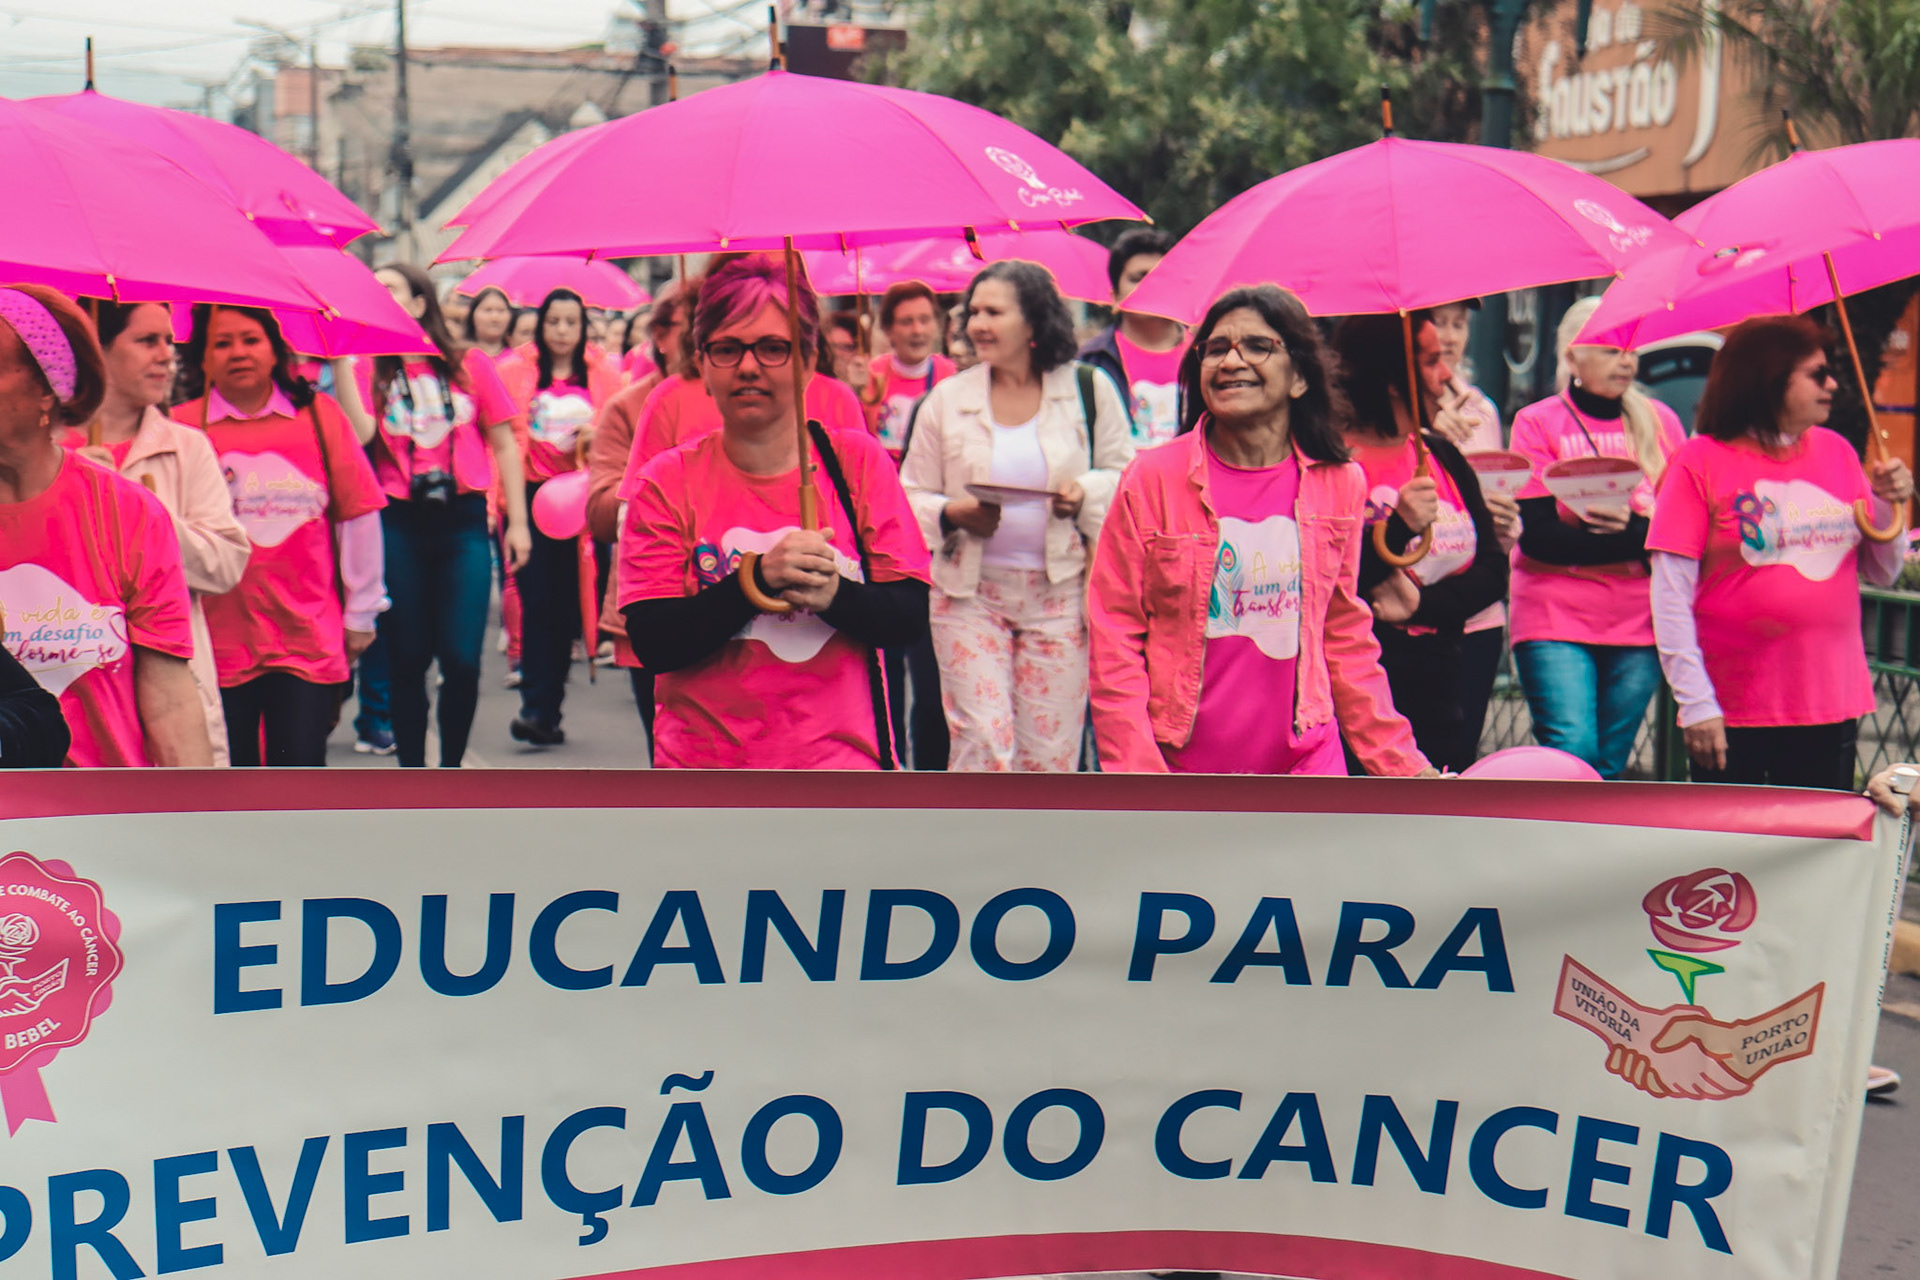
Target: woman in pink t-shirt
[
  {"x": 1421, "y": 611},
  {"x": 442, "y": 431},
  {"x": 284, "y": 638},
  {"x": 92, "y": 599},
  {"x": 1229, "y": 635},
  {"x": 557, "y": 388},
  {"x": 488, "y": 323},
  {"x": 1756, "y": 562},
  {"x": 738, "y": 688},
  {"x": 1582, "y": 621}
]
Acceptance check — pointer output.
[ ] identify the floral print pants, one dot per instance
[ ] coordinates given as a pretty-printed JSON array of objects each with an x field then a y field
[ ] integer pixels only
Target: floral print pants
[{"x": 1013, "y": 671}]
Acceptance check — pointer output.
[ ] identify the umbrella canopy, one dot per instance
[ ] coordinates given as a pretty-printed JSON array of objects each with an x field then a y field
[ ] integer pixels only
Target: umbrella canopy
[
  {"x": 527, "y": 282},
  {"x": 1760, "y": 245},
  {"x": 289, "y": 201},
  {"x": 1079, "y": 265},
  {"x": 830, "y": 163},
  {"x": 92, "y": 213},
  {"x": 1397, "y": 225},
  {"x": 362, "y": 318}
]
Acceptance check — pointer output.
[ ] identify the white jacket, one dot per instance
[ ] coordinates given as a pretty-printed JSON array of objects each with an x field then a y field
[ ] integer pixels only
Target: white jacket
[{"x": 952, "y": 447}]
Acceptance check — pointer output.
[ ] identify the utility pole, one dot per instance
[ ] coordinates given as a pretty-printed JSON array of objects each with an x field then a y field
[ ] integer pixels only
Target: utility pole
[
  {"x": 1487, "y": 344},
  {"x": 402, "y": 134},
  {"x": 313, "y": 102},
  {"x": 653, "y": 44}
]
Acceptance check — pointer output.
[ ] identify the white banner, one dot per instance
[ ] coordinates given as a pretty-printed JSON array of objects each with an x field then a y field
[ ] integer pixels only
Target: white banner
[{"x": 720, "y": 1026}]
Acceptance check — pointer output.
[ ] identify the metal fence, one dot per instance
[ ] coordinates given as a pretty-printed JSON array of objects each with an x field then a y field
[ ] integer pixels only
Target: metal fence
[{"x": 1890, "y": 625}]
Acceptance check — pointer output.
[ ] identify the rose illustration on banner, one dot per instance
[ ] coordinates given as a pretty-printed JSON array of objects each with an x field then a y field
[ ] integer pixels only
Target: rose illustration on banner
[
  {"x": 59, "y": 955},
  {"x": 1702, "y": 911}
]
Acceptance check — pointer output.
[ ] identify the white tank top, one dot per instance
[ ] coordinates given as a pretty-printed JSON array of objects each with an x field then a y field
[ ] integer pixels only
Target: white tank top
[{"x": 1021, "y": 540}]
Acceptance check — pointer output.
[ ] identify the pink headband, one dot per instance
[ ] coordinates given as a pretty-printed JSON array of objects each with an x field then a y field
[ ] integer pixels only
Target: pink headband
[{"x": 43, "y": 337}]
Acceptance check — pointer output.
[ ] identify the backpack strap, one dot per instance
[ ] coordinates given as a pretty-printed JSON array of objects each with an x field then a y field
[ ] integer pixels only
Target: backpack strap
[
  {"x": 1083, "y": 374},
  {"x": 876, "y": 682}
]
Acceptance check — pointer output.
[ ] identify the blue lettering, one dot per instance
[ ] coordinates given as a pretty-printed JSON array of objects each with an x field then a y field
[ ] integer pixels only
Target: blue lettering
[
  {"x": 433, "y": 946},
  {"x": 1149, "y": 946},
  {"x": 828, "y": 1137},
  {"x": 1669, "y": 1191},
  {"x": 1486, "y": 1141},
  {"x": 316, "y": 921},
  {"x": 1379, "y": 1115},
  {"x": 1348, "y": 946},
  {"x": 66, "y": 1237},
  {"x": 543, "y": 952},
  {"x": 985, "y": 938},
  {"x": 1588, "y": 1168},
  {"x": 278, "y": 1235},
  {"x": 689, "y": 1118},
  {"x": 170, "y": 1213},
  {"x": 1016, "y": 1141},
  {"x": 682, "y": 905},
  {"x": 447, "y": 1146},
  {"x": 1290, "y": 957},
  {"x": 556, "y": 1182},
  {"x": 1166, "y": 1136},
  {"x": 1311, "y": 1151},
  {"x": 1491, "y": 961},
  {"x": 361, "y": 1185},
  {"x": 16, "y": 1211},
  {"x": 229, "y": 957},
  {"x": 874, "y": 965},
  {"x": 819, "y": 961},
  {"x": 913, "y": 1169}
]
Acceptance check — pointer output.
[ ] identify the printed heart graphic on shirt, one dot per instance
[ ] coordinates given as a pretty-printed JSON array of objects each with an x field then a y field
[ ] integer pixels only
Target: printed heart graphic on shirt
[
  {"x": 793, "y": 637},
  {"x": 558, "y": 419},
  {"x": 55, "y": 631},
  {"x": 1800, "y": 525},
  {"x": 271, "y": 496}
]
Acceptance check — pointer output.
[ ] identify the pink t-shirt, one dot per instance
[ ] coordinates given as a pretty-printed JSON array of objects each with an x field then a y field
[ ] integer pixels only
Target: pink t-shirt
[
  {"x": 788, "y": 692},
  {"x": 637, "y": 364},
  {"x": 680, "y": 410},
  {"x": 428, "y": 423},
  {"x": 898, "y": 393},
  {"x": 1153, "y": 390},
  {"x": 1455, "y": 541},
  {"x": 286, "y": 614},
  {"x": 1582, "y": 604},
  {"x": 1244, "y": 723},
  {"x": 556, "y": 416},
  {"x": 1778, "y": 606},
  {"x": 88, "y": 570}
]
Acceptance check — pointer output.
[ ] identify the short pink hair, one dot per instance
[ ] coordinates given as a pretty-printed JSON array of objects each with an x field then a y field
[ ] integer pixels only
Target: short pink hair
[{"x": 737, "y": 290}]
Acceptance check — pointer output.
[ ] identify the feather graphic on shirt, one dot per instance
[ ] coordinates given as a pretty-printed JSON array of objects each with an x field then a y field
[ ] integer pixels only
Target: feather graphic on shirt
[{"x": 1226, "y": 575}]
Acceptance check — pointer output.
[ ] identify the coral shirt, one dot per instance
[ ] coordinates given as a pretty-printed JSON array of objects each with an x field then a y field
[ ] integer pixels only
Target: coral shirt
[
  {"x": 787, "y": 692},
  {"x": 1244, "y": 721},
  {"x": 680, "y": 410},
  {"x": 556, "y": 415},
  {"x": 286, "y": 614},
  {"x": 897, "y": 391},
  {"x": 1778, "y": 605},
  {"x": 428, "y": 423},
  {"x": 1153, "y": 390},
  {"x": 1454, "y": 539},
  {"x": 88, "y": 570}
]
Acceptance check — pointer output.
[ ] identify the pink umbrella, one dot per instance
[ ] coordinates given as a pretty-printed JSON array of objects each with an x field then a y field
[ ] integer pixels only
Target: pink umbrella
[
  {"x": 290, "y": 202},
  {"x": 527, "y": 282},
  {"x": 1079, "y": 265},
  {"x": 827, "y": 163},
  {"x": 361, "y": 319},
  {"x": 525, "y": 176},
  {"x": 1806, "y": 231},
  {"x": 92, "y": 213}
]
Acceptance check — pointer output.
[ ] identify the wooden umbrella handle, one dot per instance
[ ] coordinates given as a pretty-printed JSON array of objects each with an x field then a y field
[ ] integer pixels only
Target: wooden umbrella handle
[
  {"x": 1417, "y": 550},
  {"x": 1864, "y": 519},
  {"x": 1414, "y": 554},
  {"x": 809, "y": 494}
]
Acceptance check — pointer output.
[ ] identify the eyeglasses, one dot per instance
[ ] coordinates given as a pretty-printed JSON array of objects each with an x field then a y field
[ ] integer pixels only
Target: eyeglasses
[
  {"x": 769, "y": 353},
  {"x": 1253, "y": 350},
  {"x": 1823, "y": 375}
]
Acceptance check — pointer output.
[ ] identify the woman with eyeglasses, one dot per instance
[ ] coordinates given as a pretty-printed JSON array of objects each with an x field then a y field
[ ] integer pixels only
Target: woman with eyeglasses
[
  {"x": 737, "y": 687},
  {"x": 1582, "y": 621},
  {"x": 1229, "y": 635},
  {"x": 1757, "y": 558},
  {"x": 1421, "y": 609},
  {"x": 557, "y": 387}
]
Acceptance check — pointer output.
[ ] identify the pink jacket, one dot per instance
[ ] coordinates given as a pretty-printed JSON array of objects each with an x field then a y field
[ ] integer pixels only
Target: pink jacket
[{"x": 1148, "y": 590}]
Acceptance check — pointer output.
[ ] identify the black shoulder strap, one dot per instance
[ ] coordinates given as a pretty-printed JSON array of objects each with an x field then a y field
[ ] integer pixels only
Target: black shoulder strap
[
  {"x": 913, "y": 420},
  {"x": 1083, "y": 373},
  {"x": 876, "y": 682}
]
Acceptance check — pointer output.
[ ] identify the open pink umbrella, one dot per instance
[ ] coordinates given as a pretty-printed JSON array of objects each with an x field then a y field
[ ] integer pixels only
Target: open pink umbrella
[
  {"x": 1079, "y": 265},
  {"x": 289, "y": 201},
  {"x": 89, "y": 212},
  {"x": 826, "y": 163},
  {"x": 361, "y": 318},
  {"x": 1798, "y": 234},
  {"x": 527, "y": 282}
]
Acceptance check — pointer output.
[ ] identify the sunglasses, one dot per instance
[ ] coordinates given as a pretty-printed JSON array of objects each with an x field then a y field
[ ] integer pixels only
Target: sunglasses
[
  {"x": 1823, "y": 375},
  {"x": 1253, "y": 350},
  {"x": 769, "y": 353}
]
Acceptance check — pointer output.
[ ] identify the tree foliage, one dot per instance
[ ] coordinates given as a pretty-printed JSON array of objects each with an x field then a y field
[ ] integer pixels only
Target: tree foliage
[{"x": 1182, "y": 104}]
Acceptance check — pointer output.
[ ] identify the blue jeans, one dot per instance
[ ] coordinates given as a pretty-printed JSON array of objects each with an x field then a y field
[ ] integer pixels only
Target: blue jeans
[
  {"x": 371, "y": 688},
  {"x": 440, "y": 579},
  {"x": 1588, "y": 699}
]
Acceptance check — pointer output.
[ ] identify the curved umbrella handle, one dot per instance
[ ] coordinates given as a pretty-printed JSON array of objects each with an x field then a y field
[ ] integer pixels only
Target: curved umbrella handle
[
  {"x": 755, "y": 596},
  {"x": 1414, "y": 554},
  {"x": 1865, "y": 521}
]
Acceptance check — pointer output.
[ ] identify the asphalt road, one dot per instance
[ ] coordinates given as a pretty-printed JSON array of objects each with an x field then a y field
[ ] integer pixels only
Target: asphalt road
[{"x": 1883, "y": 1221}]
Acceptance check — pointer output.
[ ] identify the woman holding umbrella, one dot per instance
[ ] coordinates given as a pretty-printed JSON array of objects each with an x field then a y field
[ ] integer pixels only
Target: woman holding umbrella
[
  {"x": 738, "y": 688},
  {"x": 93, "y": 603},
  {"x": 556, "y": 388},
  {"x": 1421, "y": 605},
  {"x": 133, "y": 436},
  {"x": 442, "y": 431},
  {"x": 1582, "y": 621},
  {"x": 308, "y": 499},
  {"x": 1756, "y": 556},
  {"x": 1229, "y": 635}
]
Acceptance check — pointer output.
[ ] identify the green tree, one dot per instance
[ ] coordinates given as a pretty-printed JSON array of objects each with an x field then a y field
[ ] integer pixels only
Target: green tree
[{"x": 1182, "y": 104}]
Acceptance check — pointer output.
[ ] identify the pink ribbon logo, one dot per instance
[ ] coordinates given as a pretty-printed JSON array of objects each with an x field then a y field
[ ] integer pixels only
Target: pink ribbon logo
[{"x": 59, "y": 954}]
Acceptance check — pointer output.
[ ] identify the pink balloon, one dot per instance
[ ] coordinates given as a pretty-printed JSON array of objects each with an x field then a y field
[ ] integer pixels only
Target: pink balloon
[
  {"x": 1544, "y": 764},
  {"x": 560, "y": 505}
]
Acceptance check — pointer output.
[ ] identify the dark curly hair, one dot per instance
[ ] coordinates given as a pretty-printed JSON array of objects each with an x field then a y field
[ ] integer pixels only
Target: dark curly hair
[
  {"x": 1041, "y": 306},
  {"x": 1316, "y": 418},
  {"x": 1373, "y": 358},
  {"x": 1747, "y": 381},
  {"x": 193, "y": 354}
]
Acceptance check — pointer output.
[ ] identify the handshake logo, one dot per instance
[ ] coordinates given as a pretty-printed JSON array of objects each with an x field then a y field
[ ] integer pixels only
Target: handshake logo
[{"x": 1682, "y": 1050}]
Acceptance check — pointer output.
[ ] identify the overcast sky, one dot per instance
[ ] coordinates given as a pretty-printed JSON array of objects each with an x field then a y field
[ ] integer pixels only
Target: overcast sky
[{"x": 155, "y": 52}]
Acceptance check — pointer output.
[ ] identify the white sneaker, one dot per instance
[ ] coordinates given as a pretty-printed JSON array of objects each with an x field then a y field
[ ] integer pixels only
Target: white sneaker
[
  {"x": 1881, "y": 1081},
  {"x": 500, "y": 645}
]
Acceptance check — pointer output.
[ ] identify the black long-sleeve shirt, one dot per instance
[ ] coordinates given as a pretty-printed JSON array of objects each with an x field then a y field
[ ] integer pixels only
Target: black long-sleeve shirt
[
  {"x": 1447, "y": 604},
  {"x": 33, "y": 732},
  {"x": 1545, "y": 537},
  {"x": 671, "y": 634}
]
